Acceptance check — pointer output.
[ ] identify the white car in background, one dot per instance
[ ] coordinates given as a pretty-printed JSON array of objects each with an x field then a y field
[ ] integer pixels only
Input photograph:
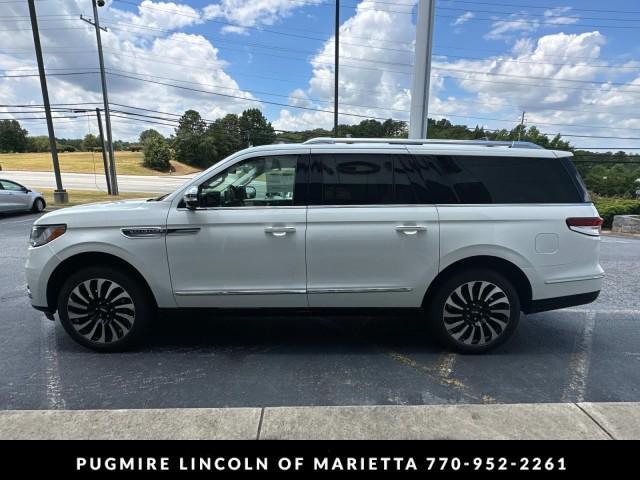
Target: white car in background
[
  {"x": 15, "y": 198},
  {"x": 469, "y": 234}
]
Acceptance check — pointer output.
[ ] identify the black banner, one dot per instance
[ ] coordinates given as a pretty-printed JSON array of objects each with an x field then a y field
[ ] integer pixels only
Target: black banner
[{"x": 317, "y": 458}]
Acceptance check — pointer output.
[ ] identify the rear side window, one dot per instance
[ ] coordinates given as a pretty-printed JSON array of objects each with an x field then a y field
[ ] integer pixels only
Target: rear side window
[
  {"x": 376, "y": 179},
  {"x": 351, "y": 179},
  {"x": 482, "y": 180}
]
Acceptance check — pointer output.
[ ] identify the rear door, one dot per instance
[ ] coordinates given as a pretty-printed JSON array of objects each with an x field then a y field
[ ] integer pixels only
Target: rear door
[{"x": 371, "y": 241}]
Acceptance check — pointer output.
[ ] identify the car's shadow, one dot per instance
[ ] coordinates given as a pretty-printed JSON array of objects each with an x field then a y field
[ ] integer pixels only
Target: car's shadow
[
  {"x": 17, "y": 215},
  {"x": 294, "y": 331}
]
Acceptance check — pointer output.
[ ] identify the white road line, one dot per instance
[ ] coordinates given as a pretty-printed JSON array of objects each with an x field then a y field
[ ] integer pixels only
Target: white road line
[
  {"x": 51, "y": 367},
  {"x": 580, "y": 361}
]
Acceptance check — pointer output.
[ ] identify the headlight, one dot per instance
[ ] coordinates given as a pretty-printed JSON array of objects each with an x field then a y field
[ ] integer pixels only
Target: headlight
[{"x": 43, "y": 234}]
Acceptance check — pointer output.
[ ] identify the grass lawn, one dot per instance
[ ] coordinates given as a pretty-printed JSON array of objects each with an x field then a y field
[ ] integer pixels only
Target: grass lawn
[
  {"x": 78, "y": 197},
  {"x": 127, "y": 163}
]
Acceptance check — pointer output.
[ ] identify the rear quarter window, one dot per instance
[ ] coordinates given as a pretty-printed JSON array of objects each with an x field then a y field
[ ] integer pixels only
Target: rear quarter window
[{"x": 488, "y": 179}]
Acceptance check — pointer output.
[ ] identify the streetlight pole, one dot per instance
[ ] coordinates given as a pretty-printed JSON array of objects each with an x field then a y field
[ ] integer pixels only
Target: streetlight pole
[
  {"x": 60, "y": 194},
  {"x": 105, "y": 96},
  {"x": 336, "y": 69},
  {"x": 418, "y": 119}
]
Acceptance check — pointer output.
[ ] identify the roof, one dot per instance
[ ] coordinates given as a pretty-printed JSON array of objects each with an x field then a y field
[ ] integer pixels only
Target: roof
[{"x": 422, "y": 146}]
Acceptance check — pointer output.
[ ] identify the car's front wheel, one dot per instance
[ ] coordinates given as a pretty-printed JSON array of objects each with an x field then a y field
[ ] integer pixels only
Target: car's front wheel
[
  {"x": 475, "y": 311},
  {"x": 104, "y": 309}
]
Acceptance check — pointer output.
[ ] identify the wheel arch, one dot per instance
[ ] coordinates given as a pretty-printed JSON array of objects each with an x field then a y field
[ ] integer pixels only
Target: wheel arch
[
  {"x": 91, "y": 259},
  {"x": 510, "y": 270}
]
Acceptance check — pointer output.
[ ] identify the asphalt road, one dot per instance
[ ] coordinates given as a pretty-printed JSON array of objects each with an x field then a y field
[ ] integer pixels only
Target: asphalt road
[
  {"x": 583, "y": 354},
  {"x": 87, "y": 181}
]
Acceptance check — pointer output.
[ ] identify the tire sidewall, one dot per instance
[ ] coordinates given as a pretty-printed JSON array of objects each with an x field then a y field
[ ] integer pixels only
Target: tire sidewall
[
  {"x": 139, "y": 296},
  {"x": 38, "y": 205},
  {"x": 436, "y": 308}
]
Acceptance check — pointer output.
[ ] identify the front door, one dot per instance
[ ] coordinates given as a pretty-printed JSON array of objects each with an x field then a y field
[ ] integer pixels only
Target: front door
[
  {"x": 13, "y": 196},
  {"x": 372, "y": 240},
  {"x": 244, "y": 247}
]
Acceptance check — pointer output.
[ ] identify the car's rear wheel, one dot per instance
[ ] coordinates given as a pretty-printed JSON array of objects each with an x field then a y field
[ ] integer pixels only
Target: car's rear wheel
[
  {"x": 104, "y": 309},
  {"x": 38, "y": 205},
  {"x": 475, "y": 311}
]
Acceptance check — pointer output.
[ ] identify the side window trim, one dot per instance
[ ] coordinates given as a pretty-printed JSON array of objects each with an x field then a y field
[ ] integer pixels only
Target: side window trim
[{"x": 303, "y": 161}]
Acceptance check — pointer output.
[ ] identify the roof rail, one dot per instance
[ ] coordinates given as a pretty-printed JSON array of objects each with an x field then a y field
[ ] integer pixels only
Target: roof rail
[{"x": 419, "y": 141}]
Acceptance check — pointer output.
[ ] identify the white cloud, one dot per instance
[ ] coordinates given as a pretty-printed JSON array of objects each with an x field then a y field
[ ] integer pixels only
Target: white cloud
[
  {"x": 462, "y": 19},
  {"x": 588, "y": 99},
  {"x": 504, "y": 28},
  {"x": 369, "y": 77},
  {"x": 250, "y": 13},
  {"x": 190, "y": 59}
]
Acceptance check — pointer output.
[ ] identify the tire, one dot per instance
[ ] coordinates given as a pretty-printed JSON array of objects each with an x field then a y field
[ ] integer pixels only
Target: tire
[
  {"x": 104, "y": 309},
  {"x": 474, "y": 311},
  {"x": 38, "y": 205}
]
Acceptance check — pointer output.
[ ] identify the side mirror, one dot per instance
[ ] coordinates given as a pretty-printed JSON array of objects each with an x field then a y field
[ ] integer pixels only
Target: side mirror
[
  {"x": 191, "y": 198},
  {"x": 250, "y": 192}
]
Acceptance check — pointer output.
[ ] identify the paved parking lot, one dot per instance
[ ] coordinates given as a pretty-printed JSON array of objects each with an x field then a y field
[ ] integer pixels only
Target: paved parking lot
[{"x": 587, "y": 354}]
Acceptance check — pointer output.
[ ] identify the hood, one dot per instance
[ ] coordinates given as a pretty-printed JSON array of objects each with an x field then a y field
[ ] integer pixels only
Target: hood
[{"x": 121, "y": 213}]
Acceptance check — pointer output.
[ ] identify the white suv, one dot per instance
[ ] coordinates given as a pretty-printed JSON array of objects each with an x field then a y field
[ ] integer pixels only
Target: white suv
[{"x": 470, "y": 233}]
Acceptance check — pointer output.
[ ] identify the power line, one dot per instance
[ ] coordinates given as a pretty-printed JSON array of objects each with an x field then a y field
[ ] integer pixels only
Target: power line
[
  {"x": 568, "y": 12},
  {"x": 474, "y": 2},
  {"x": 537, "y": 22}
]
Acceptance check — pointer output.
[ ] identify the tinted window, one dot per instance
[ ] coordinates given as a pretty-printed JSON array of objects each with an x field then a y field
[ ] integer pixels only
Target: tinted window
[
  {"x": 418, "y": 181},
  {"x": 477, "y": 179},
  {"x": 351, "y": 179}
]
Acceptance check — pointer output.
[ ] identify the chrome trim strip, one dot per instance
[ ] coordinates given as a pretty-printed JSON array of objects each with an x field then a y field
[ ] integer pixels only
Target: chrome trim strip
[
  {"x": 479, "y": 205},
  {"x": 575, "y": 279},
  {"x": 196, "y": 293},
  {"x": 143, "y": 232},
  {"x": 183, "y": 231},
  {"x": 258, "y": 207},
  {"x": 360, "y": 290}
]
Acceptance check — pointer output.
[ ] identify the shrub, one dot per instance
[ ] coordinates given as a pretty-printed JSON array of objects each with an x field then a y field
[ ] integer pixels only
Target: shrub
[
  {"x": 608, "y": 207},
  {"x": 157, "y": 154}
]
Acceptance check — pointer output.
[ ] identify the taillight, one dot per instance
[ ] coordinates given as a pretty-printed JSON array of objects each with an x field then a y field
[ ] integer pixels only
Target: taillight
[{"x": 586, "y": 225}]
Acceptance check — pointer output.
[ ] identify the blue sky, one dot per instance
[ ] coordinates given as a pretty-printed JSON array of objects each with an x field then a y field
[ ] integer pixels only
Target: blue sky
[{"x": 574, "y": 67}]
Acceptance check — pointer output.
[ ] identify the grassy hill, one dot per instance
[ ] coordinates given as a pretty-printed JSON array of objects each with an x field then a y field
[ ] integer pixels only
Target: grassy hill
[{"x": 127, "y": 163}]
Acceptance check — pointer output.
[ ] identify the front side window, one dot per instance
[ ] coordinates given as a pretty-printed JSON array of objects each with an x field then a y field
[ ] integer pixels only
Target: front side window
[
  {"x": 261, "y": 181},
  {"x": 7, "y": 185}
]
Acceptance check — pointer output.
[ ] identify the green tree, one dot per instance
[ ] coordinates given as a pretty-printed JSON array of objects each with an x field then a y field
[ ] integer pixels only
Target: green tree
[
  {"x": 190, "y": 145},
  {"x": 149, "y": 133},
  {"x": 90, "y": 142},
  {"x": 13, "y": 138},
  {"x": 256, "y": 128},
  {"x": 157, "y": 154},
  {"x": 38, "y": 144},
  {"x": 227, "y": 135}
]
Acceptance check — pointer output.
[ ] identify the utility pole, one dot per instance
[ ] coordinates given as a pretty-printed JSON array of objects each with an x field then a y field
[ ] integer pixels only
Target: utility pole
[
  {"x": 521, "y": 126},
  {"x": 336, "y": 69},
  {"x": 422, "y": 70},
  {"x": 105, "y": 97},
  {"x": 104, "y": 152},
  {"x": 60, "y": 194}
]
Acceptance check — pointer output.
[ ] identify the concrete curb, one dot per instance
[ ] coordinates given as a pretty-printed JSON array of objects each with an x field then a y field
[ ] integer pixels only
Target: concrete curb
[{"x": 494, "y": 421}]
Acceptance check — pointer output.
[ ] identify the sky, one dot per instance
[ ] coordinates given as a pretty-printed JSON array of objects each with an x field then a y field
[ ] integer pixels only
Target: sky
[{"x": 572, "y": 66}]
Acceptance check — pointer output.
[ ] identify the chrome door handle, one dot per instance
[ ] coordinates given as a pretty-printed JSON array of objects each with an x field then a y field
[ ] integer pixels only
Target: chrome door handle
[
  {"x": 410, "y": 229},
  {"x": 279, "y": 231}
]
